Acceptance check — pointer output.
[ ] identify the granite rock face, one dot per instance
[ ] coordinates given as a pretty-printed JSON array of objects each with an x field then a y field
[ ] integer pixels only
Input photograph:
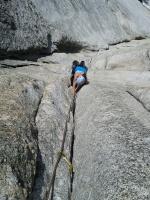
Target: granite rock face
[
  {"x": 132, "y": 56},
  {"x": 110, "y": 129},
  {"x": 48, "y": 120},
  {"x": 20, "y": 97},
  {"x": 24, "y": 30},
  {"x": 111, "y": 150},
  {"x": 142, "y": 95},
  {"x": 37, "y": 26},
  {"x": 109, "y": 22},
  {"x": 112, "y": 126},
  {"x": 51, "y": 119},
  {"x": 21, "y": 27}
]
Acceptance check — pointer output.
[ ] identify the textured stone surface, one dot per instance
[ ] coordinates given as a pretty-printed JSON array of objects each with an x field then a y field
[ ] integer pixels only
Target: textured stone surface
[
  {"x": 24, "y": 30},
  {"x": 51, "y": 123},
  {"x": 37, "y": 26},
  {"x": 111, "y": 150},
  {"x": 135, "y": 60},
  {"x": 132, "y": 56},
  {"x": 112, "y": 125},
  {"x": 142, "y": 95},
  {"x": 21, "y": 26},
  {"x": 109, "y": 22},
  {"x": 20, "y": 97}
]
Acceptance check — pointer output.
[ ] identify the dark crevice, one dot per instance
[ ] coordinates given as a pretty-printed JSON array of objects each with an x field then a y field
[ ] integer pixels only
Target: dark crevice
[
  {"x": 71, "y": 159},
  {"x": 68, "y": 45},
  {"x": 115, "y": 43},
  {"x": 148, "y": 54},
  {"x": 127, "y": 41},
  {"x": 5, "y": 65},
  {"x": 38, "y": 182},
  {"x": 72, "y": 149},
  {"x": 29, "y": 55},
  {"x": 139, "y": 38},
  {"x": 68, "y": 48},
  {"x": 39, "y": 177}
]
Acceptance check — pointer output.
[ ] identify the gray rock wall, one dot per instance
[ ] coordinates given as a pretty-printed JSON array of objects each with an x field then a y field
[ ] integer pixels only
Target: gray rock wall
[
  {"x": 24, "y": 30},
  {"x": 97, "y": 23},
  {"x": 111, "y": 150},
  {"x": 112, "y": 127},
  {"x": 50, "y": 120},
  {"x": 21, "y": 26},
  {"x": 20, "y": 97},
  {"x": 111, "y": 146},
  {"x": 37, "y": 26}
]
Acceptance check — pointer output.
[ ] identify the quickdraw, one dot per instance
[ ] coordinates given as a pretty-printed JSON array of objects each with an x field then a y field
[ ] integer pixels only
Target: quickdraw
[{"x": 67, "y": 161}]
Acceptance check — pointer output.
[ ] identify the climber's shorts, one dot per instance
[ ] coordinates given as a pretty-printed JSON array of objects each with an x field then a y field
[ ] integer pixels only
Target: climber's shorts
[{"x": 77, "y": 74}]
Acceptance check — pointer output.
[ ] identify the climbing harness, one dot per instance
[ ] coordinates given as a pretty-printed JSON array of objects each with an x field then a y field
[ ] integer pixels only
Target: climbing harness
[{"x": 60, "y": 153}]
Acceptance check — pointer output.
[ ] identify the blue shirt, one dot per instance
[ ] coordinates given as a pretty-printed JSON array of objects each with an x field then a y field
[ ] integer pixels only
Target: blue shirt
[{"x": 80, "y": 68}]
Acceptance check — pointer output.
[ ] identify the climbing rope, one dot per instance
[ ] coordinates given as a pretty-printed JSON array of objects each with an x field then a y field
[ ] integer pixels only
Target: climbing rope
[{"x": 60, "y": 153}]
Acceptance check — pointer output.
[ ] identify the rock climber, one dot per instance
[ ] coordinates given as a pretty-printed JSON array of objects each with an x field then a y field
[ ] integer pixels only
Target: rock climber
[
  {"x": 146, "y": 3},
  {"x": 80, "y": 77},
  {"x": 75, "y": 63}
]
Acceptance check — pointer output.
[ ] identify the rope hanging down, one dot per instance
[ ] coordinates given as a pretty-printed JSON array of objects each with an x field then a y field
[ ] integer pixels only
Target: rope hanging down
[{"x": 60, "y": 153}]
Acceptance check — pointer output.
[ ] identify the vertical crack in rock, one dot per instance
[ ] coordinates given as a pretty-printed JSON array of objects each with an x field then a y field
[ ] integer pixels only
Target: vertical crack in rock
[
  {"x": 40, "y": 166},
  {"x": 38, "y": 181},
  {"x": 148, "y": 55},
  {"x": 71, "y": 159},
  {"x": 20, "y": 99},
  {"x": 50, "y": 126},
  {"x": 72, "y": 148},
  {"x": 111, "y": 148}
]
